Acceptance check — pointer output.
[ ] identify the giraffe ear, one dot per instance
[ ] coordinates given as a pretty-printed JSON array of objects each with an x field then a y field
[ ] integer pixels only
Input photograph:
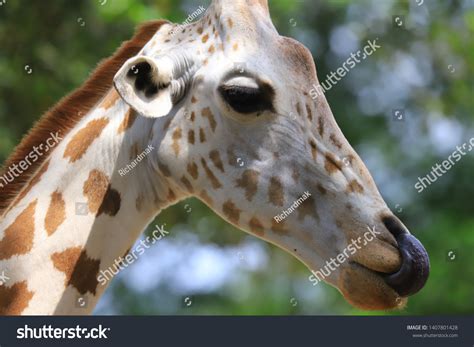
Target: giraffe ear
[{"x": 151, "y": 85}]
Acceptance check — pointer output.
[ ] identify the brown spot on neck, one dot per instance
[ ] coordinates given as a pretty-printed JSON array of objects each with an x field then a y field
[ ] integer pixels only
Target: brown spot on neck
[
  {"x": 128, "y": 121},
  {"x": 214, "y": 181},
  {"x": 176, "y": 137},
  {"x": 275, "y": 192},
  {"x": 95, "y": 188},
  {"x": 232, "y": 158},
  {"x": 193, "y": 170},
  {"x": 56, "y": 213},
  {"x": 321, "y": 126},
  {"x": 187, "y": 184},
  {"x": 111, "y": 203},
  {"x": 139, "y": 202},
  {"x": 110, "y": 99},
  {"x": 84, "y": 138},
  {"x": 231, "y": 212},
  {"x": 354, "y": 187},
  {"x": 164, "y": 169},
  {"x": 191, "y": 138},
  {"x": 81, "y": 271},
  {"x": 331, "y": 164},
  {"x": 309, "y": 112},
  {"x": 249, "y": 182},
  {"x": 298, "y": 108},
  {"x": 202, "y": 135},
  {"x": 256, "y": 226},
  {"x": 335, "y": 141},
  {"x": 321, "y": 189},
  {"x": 14, "y": 299},
  {"x": 314, "y": 149},
  {"x": 208, "y": 114},
  {"x": 134, "y": 151},
  {"x": 18, "y": 237},
  {"x": 100, "y": 196},
  {"x": 216, "y": 159}
]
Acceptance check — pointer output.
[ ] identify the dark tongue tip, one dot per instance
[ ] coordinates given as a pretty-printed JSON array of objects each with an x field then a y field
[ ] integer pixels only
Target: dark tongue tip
[{"x": 415, "y": 268}]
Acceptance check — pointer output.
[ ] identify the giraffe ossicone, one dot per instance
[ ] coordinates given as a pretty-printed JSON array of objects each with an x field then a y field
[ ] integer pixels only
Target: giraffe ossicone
[{"x": 219, "y": 132}]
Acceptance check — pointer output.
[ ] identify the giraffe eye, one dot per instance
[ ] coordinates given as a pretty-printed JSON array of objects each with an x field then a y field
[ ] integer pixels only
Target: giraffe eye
[{"x": 246, "y": 98}]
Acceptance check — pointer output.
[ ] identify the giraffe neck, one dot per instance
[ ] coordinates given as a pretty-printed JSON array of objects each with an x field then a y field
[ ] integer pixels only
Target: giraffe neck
[{"x": 81, "y": 212}]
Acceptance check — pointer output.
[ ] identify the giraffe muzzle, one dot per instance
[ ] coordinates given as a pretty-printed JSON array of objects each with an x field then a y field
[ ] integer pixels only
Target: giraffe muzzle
[{"x": 415, "y": 268}]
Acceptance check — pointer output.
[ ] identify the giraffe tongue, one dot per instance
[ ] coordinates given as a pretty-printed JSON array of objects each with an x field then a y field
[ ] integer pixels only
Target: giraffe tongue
[{"x": 413, "y": 273}]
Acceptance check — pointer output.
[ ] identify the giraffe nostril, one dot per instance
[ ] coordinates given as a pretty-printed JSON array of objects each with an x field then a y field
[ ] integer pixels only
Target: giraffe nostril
[{"x": 393, "y": 225}]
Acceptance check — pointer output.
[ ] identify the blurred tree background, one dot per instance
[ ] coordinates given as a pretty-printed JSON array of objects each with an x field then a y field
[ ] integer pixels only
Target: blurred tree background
[{"x": 205, "y": 266}]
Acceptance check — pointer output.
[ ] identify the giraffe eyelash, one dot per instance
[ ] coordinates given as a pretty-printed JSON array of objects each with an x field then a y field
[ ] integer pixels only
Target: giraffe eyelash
[{"x": 246, "y": 100}]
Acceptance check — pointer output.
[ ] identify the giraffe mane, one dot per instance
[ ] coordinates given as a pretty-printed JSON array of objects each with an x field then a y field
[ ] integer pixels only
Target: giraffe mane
[{"x": 70, "y": 109}]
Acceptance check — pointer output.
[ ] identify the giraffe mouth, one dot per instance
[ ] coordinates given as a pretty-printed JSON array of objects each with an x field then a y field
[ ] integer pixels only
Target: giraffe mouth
[
  {"x": 369, "y": 283},
  {"x": 415, "y": 265},
  {"x": 414, "y": 272}
]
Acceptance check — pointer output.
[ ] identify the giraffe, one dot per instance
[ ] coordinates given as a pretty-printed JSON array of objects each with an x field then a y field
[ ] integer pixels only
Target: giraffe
[{"x": 222, "y": 104}]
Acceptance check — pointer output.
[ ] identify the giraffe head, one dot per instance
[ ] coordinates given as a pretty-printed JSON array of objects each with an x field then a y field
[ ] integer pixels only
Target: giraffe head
[{"x": 236, "y": 127}]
